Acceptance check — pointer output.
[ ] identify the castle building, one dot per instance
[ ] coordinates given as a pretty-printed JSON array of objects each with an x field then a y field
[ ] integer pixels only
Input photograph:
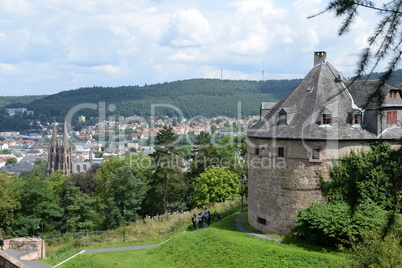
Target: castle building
[
  {"x": 59, "y": 156},
  {"x": 299, "y": 138}
]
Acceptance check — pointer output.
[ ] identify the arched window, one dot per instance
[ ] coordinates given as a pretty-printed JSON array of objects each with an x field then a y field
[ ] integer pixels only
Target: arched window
[
  {"x": 326, "y": 117},
  {"x": 282, "y": 118}
]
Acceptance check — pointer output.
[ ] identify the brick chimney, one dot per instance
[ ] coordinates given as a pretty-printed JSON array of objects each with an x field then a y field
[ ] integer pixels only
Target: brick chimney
[{"x": 319, "y": 56}]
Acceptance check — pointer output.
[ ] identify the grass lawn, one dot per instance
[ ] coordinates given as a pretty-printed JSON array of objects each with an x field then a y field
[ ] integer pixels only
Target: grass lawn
[{"x": 220, "y": 245}]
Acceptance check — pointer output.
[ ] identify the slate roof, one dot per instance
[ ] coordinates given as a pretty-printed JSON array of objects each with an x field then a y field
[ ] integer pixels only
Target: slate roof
[
  {"x": 17, "y": 167},
  {"x": 363, "y": 93},
  {"x": 323, "y": 90}
]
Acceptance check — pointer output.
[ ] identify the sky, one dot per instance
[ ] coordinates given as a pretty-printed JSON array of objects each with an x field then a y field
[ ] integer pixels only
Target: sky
[{"x": 48, "y": 46}]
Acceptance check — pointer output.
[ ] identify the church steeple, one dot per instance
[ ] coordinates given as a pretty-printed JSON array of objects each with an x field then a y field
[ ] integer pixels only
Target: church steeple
[
  {"x": 54, "y": 136},
  {"x": 65, "y": 134},
  {"x": 60, "y": 157}
]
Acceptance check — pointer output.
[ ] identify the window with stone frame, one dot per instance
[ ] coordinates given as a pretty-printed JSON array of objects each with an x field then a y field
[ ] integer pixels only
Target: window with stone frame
[
  {"x": 326, "y": 117},
  {"x": 282, "y": 118},
  {"x": 315, "y": 154},
  {"x": 357, "y": 119},
  {"x": 281, "y": 152},
  {"x": 392, "y": 118},
  {"x": 393, "y": 94},
  {"x": 257, "y": 151}
]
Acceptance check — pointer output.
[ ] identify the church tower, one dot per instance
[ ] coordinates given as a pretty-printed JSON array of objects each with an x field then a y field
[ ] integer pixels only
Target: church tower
[{"x": 60, "y": 157}]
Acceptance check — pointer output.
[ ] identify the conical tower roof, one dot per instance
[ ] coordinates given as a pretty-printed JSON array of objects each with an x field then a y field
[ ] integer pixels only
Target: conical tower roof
[{"x": 321, "y": 92}]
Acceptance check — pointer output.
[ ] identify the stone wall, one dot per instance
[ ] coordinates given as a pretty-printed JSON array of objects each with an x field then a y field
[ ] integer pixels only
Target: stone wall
[
  {"x": 280, "y": 186},
  {"x": 35, "y": 245}
]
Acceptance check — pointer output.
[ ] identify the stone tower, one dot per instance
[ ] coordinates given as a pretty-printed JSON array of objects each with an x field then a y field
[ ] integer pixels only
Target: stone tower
[
  {"x": 59, "y": 157},
  {"x": 297, "y": 140}
]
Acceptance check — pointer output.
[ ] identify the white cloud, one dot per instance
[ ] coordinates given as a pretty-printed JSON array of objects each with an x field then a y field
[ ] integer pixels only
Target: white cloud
[
  {"x": 54, "y": 45},
  {"x": 181, "y": 56},
  {"x": 3, "y": 37},
  {"x": 106, "y": 68},
  {"x": 7, "y": 67},
  {"x": 189, "y": 28}
]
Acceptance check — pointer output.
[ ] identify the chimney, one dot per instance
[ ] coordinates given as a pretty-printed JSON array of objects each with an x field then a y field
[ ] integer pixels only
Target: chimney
[{"x": 319, "y": 56}]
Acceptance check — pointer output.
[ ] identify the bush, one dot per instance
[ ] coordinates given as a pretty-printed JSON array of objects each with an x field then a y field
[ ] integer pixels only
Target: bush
[
  {"x": 374, "y": 251},
  {"x": 329, "y": 224}
]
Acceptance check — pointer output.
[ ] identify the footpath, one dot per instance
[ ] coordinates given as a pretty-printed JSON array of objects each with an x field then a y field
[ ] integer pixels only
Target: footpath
[
  {"x": 16, "y": 254},
  {"x": 240, "y": 226},
  {"x": 36, "y": 264}
]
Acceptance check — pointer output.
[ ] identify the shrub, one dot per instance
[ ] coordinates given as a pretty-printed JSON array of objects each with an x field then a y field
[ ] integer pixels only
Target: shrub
[
  {"x": 374, "y": 251},
  {"x": 328, "y": 224}
]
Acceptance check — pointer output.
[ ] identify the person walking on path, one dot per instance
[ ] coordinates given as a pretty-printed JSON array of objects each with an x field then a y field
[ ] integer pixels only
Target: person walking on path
[
  {"x": 206, "y": 213},
  {"x": 209, "y": 218},
  {"x": 194, "y": 220},
  {"x": 1, "y": 243},
  {"x": 200, "y": 220}
]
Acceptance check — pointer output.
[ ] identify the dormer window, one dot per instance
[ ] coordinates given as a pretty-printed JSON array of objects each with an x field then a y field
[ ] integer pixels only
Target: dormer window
[
  {"x": 282, "y": 118},
  {"x": 357, "y": 119},
  {"x": 326, "y": 118},
  {"x": 393, "y": 94}
]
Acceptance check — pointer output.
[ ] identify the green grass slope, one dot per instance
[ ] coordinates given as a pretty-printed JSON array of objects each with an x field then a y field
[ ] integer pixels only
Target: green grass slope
[{"x": 220, "y": 245}]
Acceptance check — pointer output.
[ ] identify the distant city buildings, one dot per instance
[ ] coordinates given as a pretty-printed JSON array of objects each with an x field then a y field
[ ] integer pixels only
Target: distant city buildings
[
  {"x": 90, "y": 144},
  {"x": 13, "y": 111}
]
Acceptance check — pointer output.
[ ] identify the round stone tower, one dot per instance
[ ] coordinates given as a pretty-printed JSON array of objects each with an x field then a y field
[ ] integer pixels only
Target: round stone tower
[{"x": 297, "y": 140}]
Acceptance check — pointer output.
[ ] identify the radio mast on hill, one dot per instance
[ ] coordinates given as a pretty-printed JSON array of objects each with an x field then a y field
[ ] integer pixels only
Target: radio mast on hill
[{"x": 262, "y": 72}]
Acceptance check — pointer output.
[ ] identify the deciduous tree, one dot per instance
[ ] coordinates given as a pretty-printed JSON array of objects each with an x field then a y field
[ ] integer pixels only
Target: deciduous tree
[{"x": 216, "y": 185}]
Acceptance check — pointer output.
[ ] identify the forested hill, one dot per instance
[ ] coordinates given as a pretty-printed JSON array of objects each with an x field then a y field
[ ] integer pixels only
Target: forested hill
[
  {"x": 4, "y": 100},
  {"x": 195, "y": 97}
]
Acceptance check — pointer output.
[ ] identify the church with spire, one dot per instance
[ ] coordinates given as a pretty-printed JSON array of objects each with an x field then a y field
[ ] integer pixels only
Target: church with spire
[{"x": 59, "y": 156}]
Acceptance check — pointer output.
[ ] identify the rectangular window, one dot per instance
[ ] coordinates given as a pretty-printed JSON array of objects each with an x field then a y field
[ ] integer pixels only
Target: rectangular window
[
  {"x": 261, "y": 221},
  {"x": 393, "y": 94},
  {"x": 281, "y": 152},
  {"x": 357, "y": 119},
  {"x": 316, "y": 154},
  {"x": 257, "y": 151},
  {"x": 326, "y": 119},
  {"x": 392, "y": 118}
]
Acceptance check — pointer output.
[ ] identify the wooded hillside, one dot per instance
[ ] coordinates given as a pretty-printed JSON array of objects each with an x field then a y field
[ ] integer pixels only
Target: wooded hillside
[{"x": 205, "y": 97}]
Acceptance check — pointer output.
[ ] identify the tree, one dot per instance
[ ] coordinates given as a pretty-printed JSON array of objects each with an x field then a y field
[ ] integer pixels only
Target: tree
[
  {"x": 168, "y": 190},
  {"x": 8, "y": 204},
  {"x": 216, "y": 185},
  {"x": 39, "y": 204},
  {"x": 79, "y": 214},
  {"x": 363, "y": 194},
  {"x": 86, "y": 181},
  {"x": 127, "y": 190},
  {"x": 385, "y": 41},
  {"x": 203, "y": 154},
  {"x": 367, "y": 177},
  {"x": 141, "y": 166},
  {"x": 11, "y": 160}
]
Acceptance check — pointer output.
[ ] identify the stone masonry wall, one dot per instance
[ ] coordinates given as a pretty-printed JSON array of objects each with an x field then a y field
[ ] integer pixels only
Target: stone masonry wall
[
  {"x": 35, "y": 245},
  {"x": 279, "y": 187}
]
